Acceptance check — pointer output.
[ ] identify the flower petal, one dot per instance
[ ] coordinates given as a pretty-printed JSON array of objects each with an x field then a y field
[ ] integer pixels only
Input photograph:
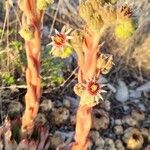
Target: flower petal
[
  {"x": 103, "y": 91},
  {"x": 68, "y": 31},
  {"x": 51, "y": 43},
  {"x": 69, "y": 37},
  {"x": 63, "y": 29},
  {"x": 56, "y": 31},
  {"x": 67, "y": 44},
  {"x": 52, "y": 50}
]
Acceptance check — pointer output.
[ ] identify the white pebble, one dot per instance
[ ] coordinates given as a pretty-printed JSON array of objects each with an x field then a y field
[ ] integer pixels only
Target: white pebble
[{"x": 122, "y": 93}]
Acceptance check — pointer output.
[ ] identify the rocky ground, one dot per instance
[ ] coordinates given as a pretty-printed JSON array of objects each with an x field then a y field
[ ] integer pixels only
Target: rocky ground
[{"x": 122, "y": 120}]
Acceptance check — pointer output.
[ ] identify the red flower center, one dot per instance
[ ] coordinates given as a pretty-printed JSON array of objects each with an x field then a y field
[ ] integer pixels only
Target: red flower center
[
  {"x": 59, "y": 40},
  {"x": 93, "y": 88}
]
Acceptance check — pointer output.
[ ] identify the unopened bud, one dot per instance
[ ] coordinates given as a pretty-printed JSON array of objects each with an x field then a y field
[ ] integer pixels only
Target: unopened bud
[
  {"x": 27, "y": 32},
  {"x": 43, "y": 4}
]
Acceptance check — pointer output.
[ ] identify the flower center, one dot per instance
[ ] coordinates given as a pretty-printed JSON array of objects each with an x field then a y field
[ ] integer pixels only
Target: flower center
[
  {"x": 93, "y": 88},
  {"x": 135, "y": 137},
  {"x": 59, "y": 39}
]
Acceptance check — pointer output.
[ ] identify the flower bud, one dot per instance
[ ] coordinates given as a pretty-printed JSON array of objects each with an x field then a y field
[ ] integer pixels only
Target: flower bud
[
  {"x": 77, "y": 40},
  {"x": 125, "y": 29},
  {"x": 43, "y": 4},
  {"x": 66, "y": 52},
  {"x": 27, "y": 32},
  {"x": 96, "y": 4},
  {"x": 86, "y": 11},
  {"x": 78, "y": 89},
  {"x": 95, "y": 22},
  {"x": 105, "y": 63}
]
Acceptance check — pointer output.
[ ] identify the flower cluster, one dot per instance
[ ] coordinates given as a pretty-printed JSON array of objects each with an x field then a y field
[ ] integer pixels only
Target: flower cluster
[{"x": 99, "y": 15}]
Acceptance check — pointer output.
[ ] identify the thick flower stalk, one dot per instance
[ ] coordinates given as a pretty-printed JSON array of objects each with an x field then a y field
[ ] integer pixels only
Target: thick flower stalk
[
  {"x": 31, "y": 32},
  {"x": 91, "y": 62},
  {"x": 88, "y": 88}
]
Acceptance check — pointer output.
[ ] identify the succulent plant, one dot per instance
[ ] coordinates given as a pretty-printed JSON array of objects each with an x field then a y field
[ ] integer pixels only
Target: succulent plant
[
  {"x": 118, "y": 130},
  {"x": 100, "y": 119},
  {"x": 59, "y": 115},
  {"x": 138, "y": 115},
  {"x": 141, "y": 54},
  {"x": 10, "y": 137},
  {"x": 133, "y": 138}
]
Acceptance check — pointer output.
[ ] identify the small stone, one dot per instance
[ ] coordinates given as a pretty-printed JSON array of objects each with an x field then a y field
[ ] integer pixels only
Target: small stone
[
  {"x": 45, "y": 31},
  {"x": 109, "y": 144},
  {"x": 144, "y": 88},
  {"x": 118, "y": 130},
  {"x": 122, "y": 93},
  {"x": 136, "y": 101},
  {"x": 56, "y": 140},
  {"x": 66, "y": 103},
  {"x": 109, "y": 141},
  {"x": 106, "y": 105},
  {"x": 100, "y": 142},
  {"x": 142, "y": 107},
  {"x": 126, "y": 108},
  {"x": 15, "y": 108},
  {"x": 99, "y": 148},
  {"x": 66, "y": 135},
  {"x": 134, "y": 94},
  {"x": 138, "y": 115},
  {"x": 119, "y": 145},
  {"x": 130, "y": 121},
  {"x": 74, "y": 103},
  {"x": 112, "y": 147},
  {"x": 41, "y": 119},
  {"x": 94, "y": 135},
  {"x": 46, "y": 105},
  {"x": 118, "y": 122},
  {"x": 100, "y": 119},
  {"x": 73, "y": 119},
  {"x": 60, "y": 115},
  {"x": 102, "y": 80}
]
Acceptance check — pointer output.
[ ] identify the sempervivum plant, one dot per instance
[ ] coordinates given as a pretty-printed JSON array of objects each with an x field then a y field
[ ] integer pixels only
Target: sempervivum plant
[
  {"x": 32, "y": 19},
  {"x": 10, "y": 138},
  {"x": 91, "y": 61}
]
